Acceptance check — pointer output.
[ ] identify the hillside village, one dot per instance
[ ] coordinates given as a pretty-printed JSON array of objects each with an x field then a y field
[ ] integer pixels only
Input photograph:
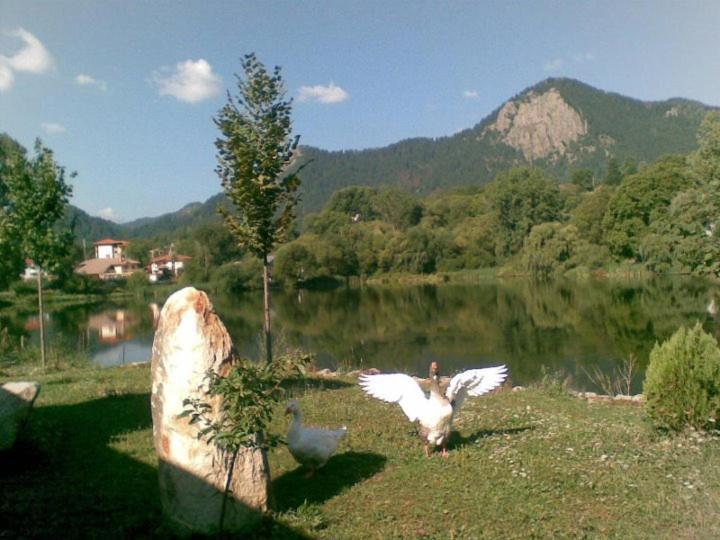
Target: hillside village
[{"x": 111, "y": 262}]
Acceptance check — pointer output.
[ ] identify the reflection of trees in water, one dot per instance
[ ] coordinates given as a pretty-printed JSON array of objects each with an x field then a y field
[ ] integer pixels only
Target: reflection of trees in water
[{"x": 561, "y": 325}]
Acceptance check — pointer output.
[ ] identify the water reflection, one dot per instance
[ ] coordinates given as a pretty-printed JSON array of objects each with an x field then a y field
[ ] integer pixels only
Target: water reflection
[{"x": 564, "y": 326}]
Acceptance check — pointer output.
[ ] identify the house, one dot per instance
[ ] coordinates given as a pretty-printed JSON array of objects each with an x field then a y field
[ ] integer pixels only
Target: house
[
  {"x": 167, "y": 265},
  {"x": 31, "y": 271},
  {"x": 108, "y": 269},
  {"x": 110, "y": 249},
  {"x": 110, "y": 261}
]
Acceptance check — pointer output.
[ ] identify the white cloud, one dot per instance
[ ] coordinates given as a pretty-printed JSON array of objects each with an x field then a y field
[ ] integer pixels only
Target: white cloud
[
  {"x": 6, "y": 76},
  {"x": 191, "y": 81},
  {"x": 88, "y": 80},
  {"x": 107, "y": 213},
  {"x": 554, "y": 65},
  {"x": 52, "y": 128},
  {"x": 33, "y": 57},
  {"x": 324, "y": 94},
  {"x": 471, "y": 94}
]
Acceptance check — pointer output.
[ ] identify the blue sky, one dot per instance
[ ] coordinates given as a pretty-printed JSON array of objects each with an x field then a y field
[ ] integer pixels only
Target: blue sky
[{"x": 125, "y": 91}]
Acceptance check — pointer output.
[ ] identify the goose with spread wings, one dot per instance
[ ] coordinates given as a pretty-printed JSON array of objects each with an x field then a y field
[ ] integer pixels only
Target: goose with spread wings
[{"x": 433, "y": 413}]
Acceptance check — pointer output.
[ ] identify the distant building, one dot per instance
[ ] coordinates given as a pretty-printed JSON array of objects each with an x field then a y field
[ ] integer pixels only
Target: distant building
[
  {"x": 110, "y": 261},
  {"x": 31, "y": 271},
  {"x": 167, "y": 265},
  {"x": 110, "y": 249}
]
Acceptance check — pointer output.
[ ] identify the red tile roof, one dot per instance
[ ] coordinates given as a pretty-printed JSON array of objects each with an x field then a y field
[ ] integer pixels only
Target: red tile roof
[{"x": 110, "y": 241}]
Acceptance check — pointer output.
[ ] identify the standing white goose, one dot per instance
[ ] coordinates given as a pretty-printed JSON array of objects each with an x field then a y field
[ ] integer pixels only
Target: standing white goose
[
  {"x": 434, "y": 414},
  {"x": 311, "y": 447}
]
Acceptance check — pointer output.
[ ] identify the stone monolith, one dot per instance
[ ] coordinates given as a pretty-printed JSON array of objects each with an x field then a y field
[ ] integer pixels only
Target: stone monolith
[{"x": 191, "y": 339}]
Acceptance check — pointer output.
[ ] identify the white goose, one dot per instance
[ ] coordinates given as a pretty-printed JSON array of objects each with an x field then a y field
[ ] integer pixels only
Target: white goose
[
  {"x": 311, "y": 447},
  {"x": 434, "y": 414}
]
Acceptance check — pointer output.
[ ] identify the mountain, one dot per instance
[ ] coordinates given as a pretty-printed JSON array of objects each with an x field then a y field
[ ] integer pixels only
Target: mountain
[{"x": 557, "y": 124}]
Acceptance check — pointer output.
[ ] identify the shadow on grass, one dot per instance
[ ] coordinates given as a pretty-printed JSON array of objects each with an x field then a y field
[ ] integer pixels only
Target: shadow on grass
[
  {"x": 64, "y": 478},
  {"x": 342, "y": 471},
  {"x": 458, "y": 441}
]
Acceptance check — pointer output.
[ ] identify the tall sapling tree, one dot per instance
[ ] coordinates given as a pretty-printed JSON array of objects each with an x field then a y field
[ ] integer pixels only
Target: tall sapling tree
[{"x": 255, "y": 151}]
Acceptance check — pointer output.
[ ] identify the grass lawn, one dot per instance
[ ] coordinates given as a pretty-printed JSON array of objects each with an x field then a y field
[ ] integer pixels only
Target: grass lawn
[{"x": 532, "y": 464}]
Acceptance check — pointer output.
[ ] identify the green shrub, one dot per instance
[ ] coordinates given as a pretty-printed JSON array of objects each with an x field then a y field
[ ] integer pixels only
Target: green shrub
[
  {"x": 238, "y": 276},
  {"x": 682, "y": 384},
  {"x": 24, "y": 288},
  {"x": 79, "y": 284}
]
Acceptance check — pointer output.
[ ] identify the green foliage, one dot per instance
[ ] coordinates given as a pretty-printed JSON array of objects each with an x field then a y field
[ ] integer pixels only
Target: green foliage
[
  {"x": 705, "y": 163},
  {"x": 613, "y": 174},
  {"x": 550, "y": 248},
  {"x": 685, "y": 238},
  {"x": 247, "y": 395},
  {"x": 398, "y": 208},
  {"x": 254, "y": 152},
  {"x": 641, "y": 199},
  {"x": 35, "y": 195},
  {"x": 138, "y": 283},
  {"x": 617, "y": 125},
  {"x": 520, "y": 199},
  {"x": 80, "y": 284},
  {"x": 682, "y": 385},
  {"x": 583, "y": 178},
  {"x": 588, "y": 215},
  {"x": 306, "y": 258},
  {"x": 354, "y": 200},
  {"x": 210, "y": 246},
  {"x": 236, "y": 277}
]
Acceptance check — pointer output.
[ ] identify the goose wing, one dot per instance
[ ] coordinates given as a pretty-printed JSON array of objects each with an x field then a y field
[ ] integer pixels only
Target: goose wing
[
  {"x": 474, "y": 382},
  {"x": 397, "y": 388}
]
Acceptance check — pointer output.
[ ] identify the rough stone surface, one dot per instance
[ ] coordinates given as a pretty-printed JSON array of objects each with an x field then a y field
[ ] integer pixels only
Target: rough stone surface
[
  {"x": 539, "y": 125},
  {"x": 190, "y": 339},
  {"x": 16, "y": 401}
]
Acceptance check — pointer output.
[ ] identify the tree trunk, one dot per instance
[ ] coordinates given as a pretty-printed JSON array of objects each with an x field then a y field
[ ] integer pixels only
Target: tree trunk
[
  {"x": 40, "y": 317},
  {"x": 266, "y": 302}
]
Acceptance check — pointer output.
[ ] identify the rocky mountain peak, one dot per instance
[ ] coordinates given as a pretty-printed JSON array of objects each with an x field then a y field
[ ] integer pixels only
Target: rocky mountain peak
[{"x": 539, "y": 125}]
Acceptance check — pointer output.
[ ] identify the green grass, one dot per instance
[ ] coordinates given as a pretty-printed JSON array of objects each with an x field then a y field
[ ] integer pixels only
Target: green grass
[{"x": 532, "y": 464}]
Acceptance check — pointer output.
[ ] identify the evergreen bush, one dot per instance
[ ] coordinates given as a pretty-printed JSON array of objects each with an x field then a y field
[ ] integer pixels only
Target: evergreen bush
[{"x": 682, "y": 384}]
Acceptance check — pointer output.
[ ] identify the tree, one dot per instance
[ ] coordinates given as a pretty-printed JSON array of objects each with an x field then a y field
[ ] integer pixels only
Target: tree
[
  {"x": 583, "y": 178},
  {"x": 520, "y": 199},
  {"x": 255, "y": 152},
  {"x": 398, "y": 208},
  {"x": 12, "y": 157},
  {"x": 588, "y": 215},
  {"x": 36, "y": 195},
  {"x": 614, "y": 175},
  {"x": 705, "y": 163},
  {"x": 549, "y": 249},
  {"x": 640, "y": 200}
]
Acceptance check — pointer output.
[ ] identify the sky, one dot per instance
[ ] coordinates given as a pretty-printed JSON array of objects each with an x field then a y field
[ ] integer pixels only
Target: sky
[{"x": 124, "y": 91}]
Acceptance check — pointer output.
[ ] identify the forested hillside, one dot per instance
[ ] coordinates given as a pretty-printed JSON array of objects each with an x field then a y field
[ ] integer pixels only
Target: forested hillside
[
  {"x": 559, "y": 125},
  {"x": 611, "y": 126}
]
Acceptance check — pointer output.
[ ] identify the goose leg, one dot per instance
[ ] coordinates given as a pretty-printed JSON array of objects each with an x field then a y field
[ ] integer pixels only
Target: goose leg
[
  {"x": 444, "y": 451},
  {"x": 427, "y": 450}
]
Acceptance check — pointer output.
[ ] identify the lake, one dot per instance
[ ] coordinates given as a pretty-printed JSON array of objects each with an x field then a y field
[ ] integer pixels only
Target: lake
[{"x": 563, "y": 326}]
